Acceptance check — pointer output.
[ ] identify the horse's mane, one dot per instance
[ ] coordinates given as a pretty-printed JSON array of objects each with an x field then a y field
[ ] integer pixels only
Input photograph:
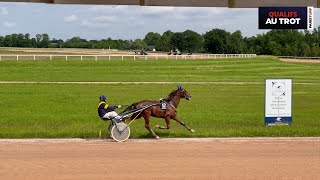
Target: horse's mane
[{"x": 170, "y": 96}]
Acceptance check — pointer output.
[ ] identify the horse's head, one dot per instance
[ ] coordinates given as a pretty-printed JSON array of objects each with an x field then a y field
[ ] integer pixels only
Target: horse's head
[{"x": 183, "y": 93}]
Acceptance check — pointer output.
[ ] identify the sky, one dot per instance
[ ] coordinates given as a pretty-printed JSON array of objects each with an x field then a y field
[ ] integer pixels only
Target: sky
[{"x": 96, "y": 22}]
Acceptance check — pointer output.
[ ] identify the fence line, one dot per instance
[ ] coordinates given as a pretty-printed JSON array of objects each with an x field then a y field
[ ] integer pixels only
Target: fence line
[{"x": 122, "y": 57}]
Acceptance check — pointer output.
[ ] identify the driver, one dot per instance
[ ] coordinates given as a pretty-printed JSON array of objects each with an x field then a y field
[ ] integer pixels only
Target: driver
[{"x": 107, "y": 112}]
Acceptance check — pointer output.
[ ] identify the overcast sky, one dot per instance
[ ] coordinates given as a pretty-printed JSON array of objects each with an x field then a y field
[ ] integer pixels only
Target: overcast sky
[{"x": 123, "y": 22}]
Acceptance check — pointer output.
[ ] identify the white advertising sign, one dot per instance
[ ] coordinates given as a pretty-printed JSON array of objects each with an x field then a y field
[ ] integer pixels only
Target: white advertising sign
[{"x": 278, "y": 101}]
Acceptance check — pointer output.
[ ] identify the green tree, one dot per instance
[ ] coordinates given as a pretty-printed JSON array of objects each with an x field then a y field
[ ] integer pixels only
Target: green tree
[
  {"x": 215, "y": 41},
  {"x": 152, "y": 38},
  {"x": 38, "y": 39},
  {"x": 1, "y": 41},
  {"x": 192, "y": 41},
  {"x": 33, "y": 42},
  {"x": 8, "y": 42},
  {"x": 304, "y": 49},
  {"x": 138, "y": 44},
  {"x": 165, "y": 42},
  {"x": 27, "y": 40},
  {"x": 274, "y": 48},
  {"x": 56, "y": 43},
  {"x": 177, "y": 41},
  {"x": 126, "y": 45},
  {"x": 236, "y": 44},
  {"x": 315, "y": 50},
  {"x": 45, "y": 42}
]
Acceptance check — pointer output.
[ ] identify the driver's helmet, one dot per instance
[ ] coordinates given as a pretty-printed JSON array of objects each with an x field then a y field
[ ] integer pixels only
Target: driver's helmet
[{"x": 103, "y": 98}]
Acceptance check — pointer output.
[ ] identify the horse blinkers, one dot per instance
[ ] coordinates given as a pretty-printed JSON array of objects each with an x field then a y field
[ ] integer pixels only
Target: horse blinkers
[{"x": 185, "y": 94}]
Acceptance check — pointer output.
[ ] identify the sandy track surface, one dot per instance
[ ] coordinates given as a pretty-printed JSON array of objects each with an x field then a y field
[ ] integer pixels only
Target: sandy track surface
[
  {"x": 205, "y": 158},
  {"x": 301, "y": 60}
]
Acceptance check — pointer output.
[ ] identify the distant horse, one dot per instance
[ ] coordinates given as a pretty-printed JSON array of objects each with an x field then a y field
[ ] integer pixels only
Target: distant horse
[{"x": 156, "y": 111}]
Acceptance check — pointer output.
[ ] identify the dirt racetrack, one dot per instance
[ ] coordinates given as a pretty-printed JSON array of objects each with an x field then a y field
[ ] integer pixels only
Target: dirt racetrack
[
  {"x": 301, "y": 60},
  {"x": 207, "y": 158}
]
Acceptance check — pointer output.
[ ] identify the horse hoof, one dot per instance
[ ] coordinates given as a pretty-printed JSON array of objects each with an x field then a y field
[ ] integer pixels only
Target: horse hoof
[
  {"x": 191, "y": 130},
  {"x": 157, "y": 137},
  {"x": 157, "y": 126}
]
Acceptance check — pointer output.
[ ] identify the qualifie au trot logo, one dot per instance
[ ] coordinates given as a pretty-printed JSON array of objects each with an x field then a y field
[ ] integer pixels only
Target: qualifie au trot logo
[
  {"x": 283, "y": 18},
  {"x": 286, "y": 18}
]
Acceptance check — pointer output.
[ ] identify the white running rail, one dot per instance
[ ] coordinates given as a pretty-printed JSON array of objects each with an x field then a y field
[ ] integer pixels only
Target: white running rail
[{"x": 18, "y": 57}]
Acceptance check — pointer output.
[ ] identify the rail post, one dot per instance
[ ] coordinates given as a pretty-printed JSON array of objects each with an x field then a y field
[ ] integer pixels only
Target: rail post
[
  {"x": 66, "y": 57},
  {"x": 81, "y": 58},
  {"x": 134, "y": 57},
  {"x": 0, "y": 57},
  {"x": 122, "y": 58},
  {"x": 17, "y": 57},
  {"x": 50, "y": 57},
  {"x": 96, "y": 58},
  {"x": 34, "y": 57},
  {"x": 109, "y": 57}
]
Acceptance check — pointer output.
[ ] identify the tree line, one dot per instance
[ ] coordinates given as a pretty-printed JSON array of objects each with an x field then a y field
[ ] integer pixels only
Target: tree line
[{"x": 216, "y": 41}]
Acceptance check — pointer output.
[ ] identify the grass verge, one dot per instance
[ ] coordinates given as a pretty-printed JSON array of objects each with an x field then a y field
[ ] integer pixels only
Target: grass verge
[{"x": 66, "y": 111}]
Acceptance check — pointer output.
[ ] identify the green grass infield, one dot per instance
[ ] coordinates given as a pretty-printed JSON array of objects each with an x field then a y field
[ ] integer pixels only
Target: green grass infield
[{"x": 216, "y": 110}]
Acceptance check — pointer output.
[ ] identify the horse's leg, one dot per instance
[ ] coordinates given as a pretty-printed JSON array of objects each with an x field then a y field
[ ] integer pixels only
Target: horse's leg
[
  {"x": 183, "y": 124},
  {"x": 167, "y": 118},
  {"x": 147, "y": 125}
]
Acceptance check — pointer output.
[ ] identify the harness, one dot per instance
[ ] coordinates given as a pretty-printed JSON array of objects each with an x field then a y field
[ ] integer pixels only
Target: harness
[{"x": 164, "y": 105}]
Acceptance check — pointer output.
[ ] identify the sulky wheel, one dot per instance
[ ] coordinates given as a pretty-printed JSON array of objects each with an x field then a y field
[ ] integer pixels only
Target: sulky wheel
[
  {"x": 109, "y": 129},
  {"x": 120, "y": 132}
]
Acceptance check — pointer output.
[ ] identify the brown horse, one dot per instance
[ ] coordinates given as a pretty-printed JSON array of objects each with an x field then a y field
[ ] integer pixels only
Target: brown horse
[{"x": 156, "y": 111}]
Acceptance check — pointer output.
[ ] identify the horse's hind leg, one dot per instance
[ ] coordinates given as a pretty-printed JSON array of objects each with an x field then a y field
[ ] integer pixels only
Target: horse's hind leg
[
  {"x": 147, "y": 125},
  {"x": 183, "y": 124}
]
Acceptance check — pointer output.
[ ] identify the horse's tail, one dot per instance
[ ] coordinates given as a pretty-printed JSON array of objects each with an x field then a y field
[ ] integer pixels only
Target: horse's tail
[{"x": 129, "y": 108}]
